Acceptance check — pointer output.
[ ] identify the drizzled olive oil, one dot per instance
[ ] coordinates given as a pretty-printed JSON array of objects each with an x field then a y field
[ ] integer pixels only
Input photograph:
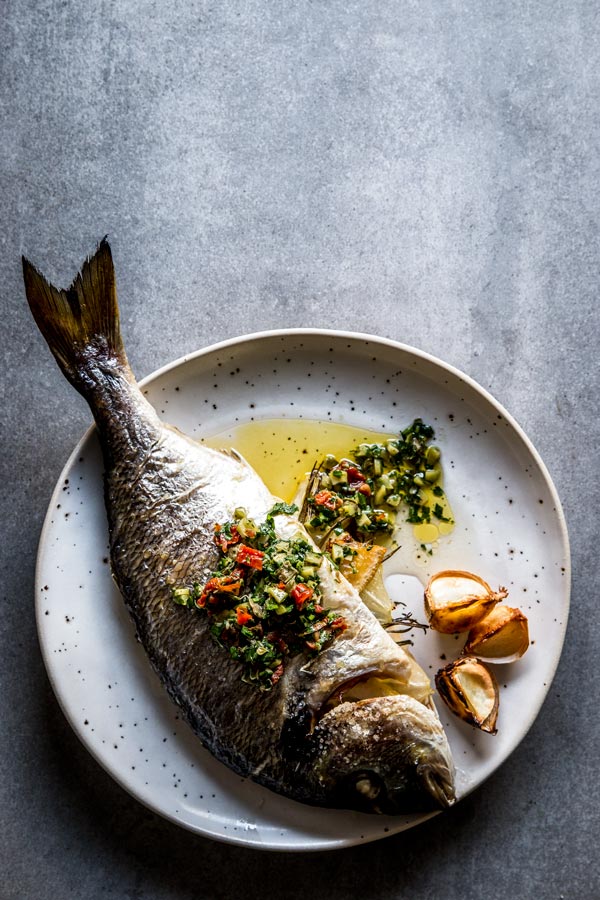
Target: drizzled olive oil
[{"x": 283, "y": 451}]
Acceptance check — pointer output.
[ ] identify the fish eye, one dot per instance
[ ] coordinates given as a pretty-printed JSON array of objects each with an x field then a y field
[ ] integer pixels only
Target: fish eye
[{"x": 368, "y": 785}]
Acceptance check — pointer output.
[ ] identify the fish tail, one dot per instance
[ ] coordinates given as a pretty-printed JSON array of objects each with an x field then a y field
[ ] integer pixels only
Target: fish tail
[{"x": 81, "y": 323}]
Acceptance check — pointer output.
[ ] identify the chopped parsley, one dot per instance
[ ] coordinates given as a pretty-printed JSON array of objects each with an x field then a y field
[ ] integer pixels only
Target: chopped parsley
[
  {"x": 439, "y": 513},
  {"x": 264, "y": 599}
]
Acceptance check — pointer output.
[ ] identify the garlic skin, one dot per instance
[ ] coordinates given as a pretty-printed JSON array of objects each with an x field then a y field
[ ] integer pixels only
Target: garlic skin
[
  {"x": 456, "y": 600},
  {"x": 502, "y": 637},
  {"x": 470, "y": 691}
]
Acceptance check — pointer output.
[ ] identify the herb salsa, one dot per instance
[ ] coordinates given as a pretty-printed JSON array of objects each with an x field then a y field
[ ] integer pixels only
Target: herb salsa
[
  {"x": 263, "y": 600},
  {"x": 363, "y": 495}
]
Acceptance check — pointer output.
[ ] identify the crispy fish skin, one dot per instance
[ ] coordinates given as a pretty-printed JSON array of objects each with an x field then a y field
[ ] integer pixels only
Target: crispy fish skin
[{"x": 164, "y": 493}]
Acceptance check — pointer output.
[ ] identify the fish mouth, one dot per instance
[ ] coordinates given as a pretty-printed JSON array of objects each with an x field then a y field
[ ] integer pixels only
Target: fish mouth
[
  {"x": 368, "y": 792},
  {"x": 384, "y": 755},
  {"x": 441, "y": 788}
]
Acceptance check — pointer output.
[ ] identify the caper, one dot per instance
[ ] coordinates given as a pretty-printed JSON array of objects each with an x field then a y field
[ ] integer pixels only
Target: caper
[
  {"x": 433, "y": 475},
  {"x": 181, "y": 596},
  {"x": 337, "y": 552},
  {"x": 313, "y": 559},
  {"x": 432, "y": 456},
  {"x": 330, "y": 462},
  {"x": 338, "y": 476}
]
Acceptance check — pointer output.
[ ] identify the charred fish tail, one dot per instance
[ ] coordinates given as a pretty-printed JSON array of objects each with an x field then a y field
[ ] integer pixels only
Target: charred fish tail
[{"x": 81, "y": 323}]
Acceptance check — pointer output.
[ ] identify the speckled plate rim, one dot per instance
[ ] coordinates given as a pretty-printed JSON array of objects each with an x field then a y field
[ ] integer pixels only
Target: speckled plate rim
[{"x": 291, "y": 333}]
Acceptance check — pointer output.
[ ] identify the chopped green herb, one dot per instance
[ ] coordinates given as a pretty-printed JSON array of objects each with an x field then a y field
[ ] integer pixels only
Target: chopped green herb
[
  {"x": 439, "y": 513},
  {"x": 282, "y": 509}
]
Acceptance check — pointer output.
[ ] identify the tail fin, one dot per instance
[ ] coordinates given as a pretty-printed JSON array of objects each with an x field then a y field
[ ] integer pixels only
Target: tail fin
[{"x": 82, "y": 322}]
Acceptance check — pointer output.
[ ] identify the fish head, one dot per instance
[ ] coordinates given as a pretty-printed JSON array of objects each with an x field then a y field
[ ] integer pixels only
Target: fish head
[{"x": 383, "y": 755}]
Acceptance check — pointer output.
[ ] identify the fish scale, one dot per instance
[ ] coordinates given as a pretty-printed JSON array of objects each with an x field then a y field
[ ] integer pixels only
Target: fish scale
[{"x": 164, "y": 495}]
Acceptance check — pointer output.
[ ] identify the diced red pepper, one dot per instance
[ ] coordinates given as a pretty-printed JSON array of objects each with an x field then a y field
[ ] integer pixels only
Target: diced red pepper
[
  {"x": 277, "y": 674},
  {"x": 242, "y": 615},
  {"x": 228, "y": 584},
  {"x": 328, "y": 499},
  {"x": 318, "y": 609},
  {"x": 300, "y": 594},
  {"x": 355, "y": 476},
  {"x": 339, "y": 624},
  {"x": 223, "y": 542},
  {"x": 248, "y": 556},
  {"x": 224, "y": 584}
]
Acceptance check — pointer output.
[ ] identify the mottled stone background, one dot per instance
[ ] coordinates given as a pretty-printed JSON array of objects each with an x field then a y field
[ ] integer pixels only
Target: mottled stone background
[{"x": 425, "y": 170}]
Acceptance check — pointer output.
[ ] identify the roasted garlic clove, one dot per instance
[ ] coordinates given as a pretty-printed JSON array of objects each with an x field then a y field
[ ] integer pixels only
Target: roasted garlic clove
[
  {"x": 470, "y": 690},
  {"x": 455, "y": 601},
  {"x": 502, "y": 637}
]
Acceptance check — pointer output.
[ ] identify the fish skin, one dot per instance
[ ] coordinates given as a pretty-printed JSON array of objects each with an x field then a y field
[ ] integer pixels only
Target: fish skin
[{"x": 164, "y": 493}]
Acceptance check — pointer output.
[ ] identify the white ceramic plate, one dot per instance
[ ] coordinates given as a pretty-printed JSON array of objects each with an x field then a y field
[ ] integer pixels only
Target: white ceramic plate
[{"x": 510, "y": 529}]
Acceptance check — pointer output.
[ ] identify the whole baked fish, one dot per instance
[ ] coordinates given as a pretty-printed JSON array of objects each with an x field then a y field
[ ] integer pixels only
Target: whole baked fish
[{"x": 164, "y": 495}]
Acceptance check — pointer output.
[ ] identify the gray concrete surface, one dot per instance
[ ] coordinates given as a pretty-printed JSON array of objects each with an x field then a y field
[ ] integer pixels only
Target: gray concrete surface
[{"x": 425, "y": 170}]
